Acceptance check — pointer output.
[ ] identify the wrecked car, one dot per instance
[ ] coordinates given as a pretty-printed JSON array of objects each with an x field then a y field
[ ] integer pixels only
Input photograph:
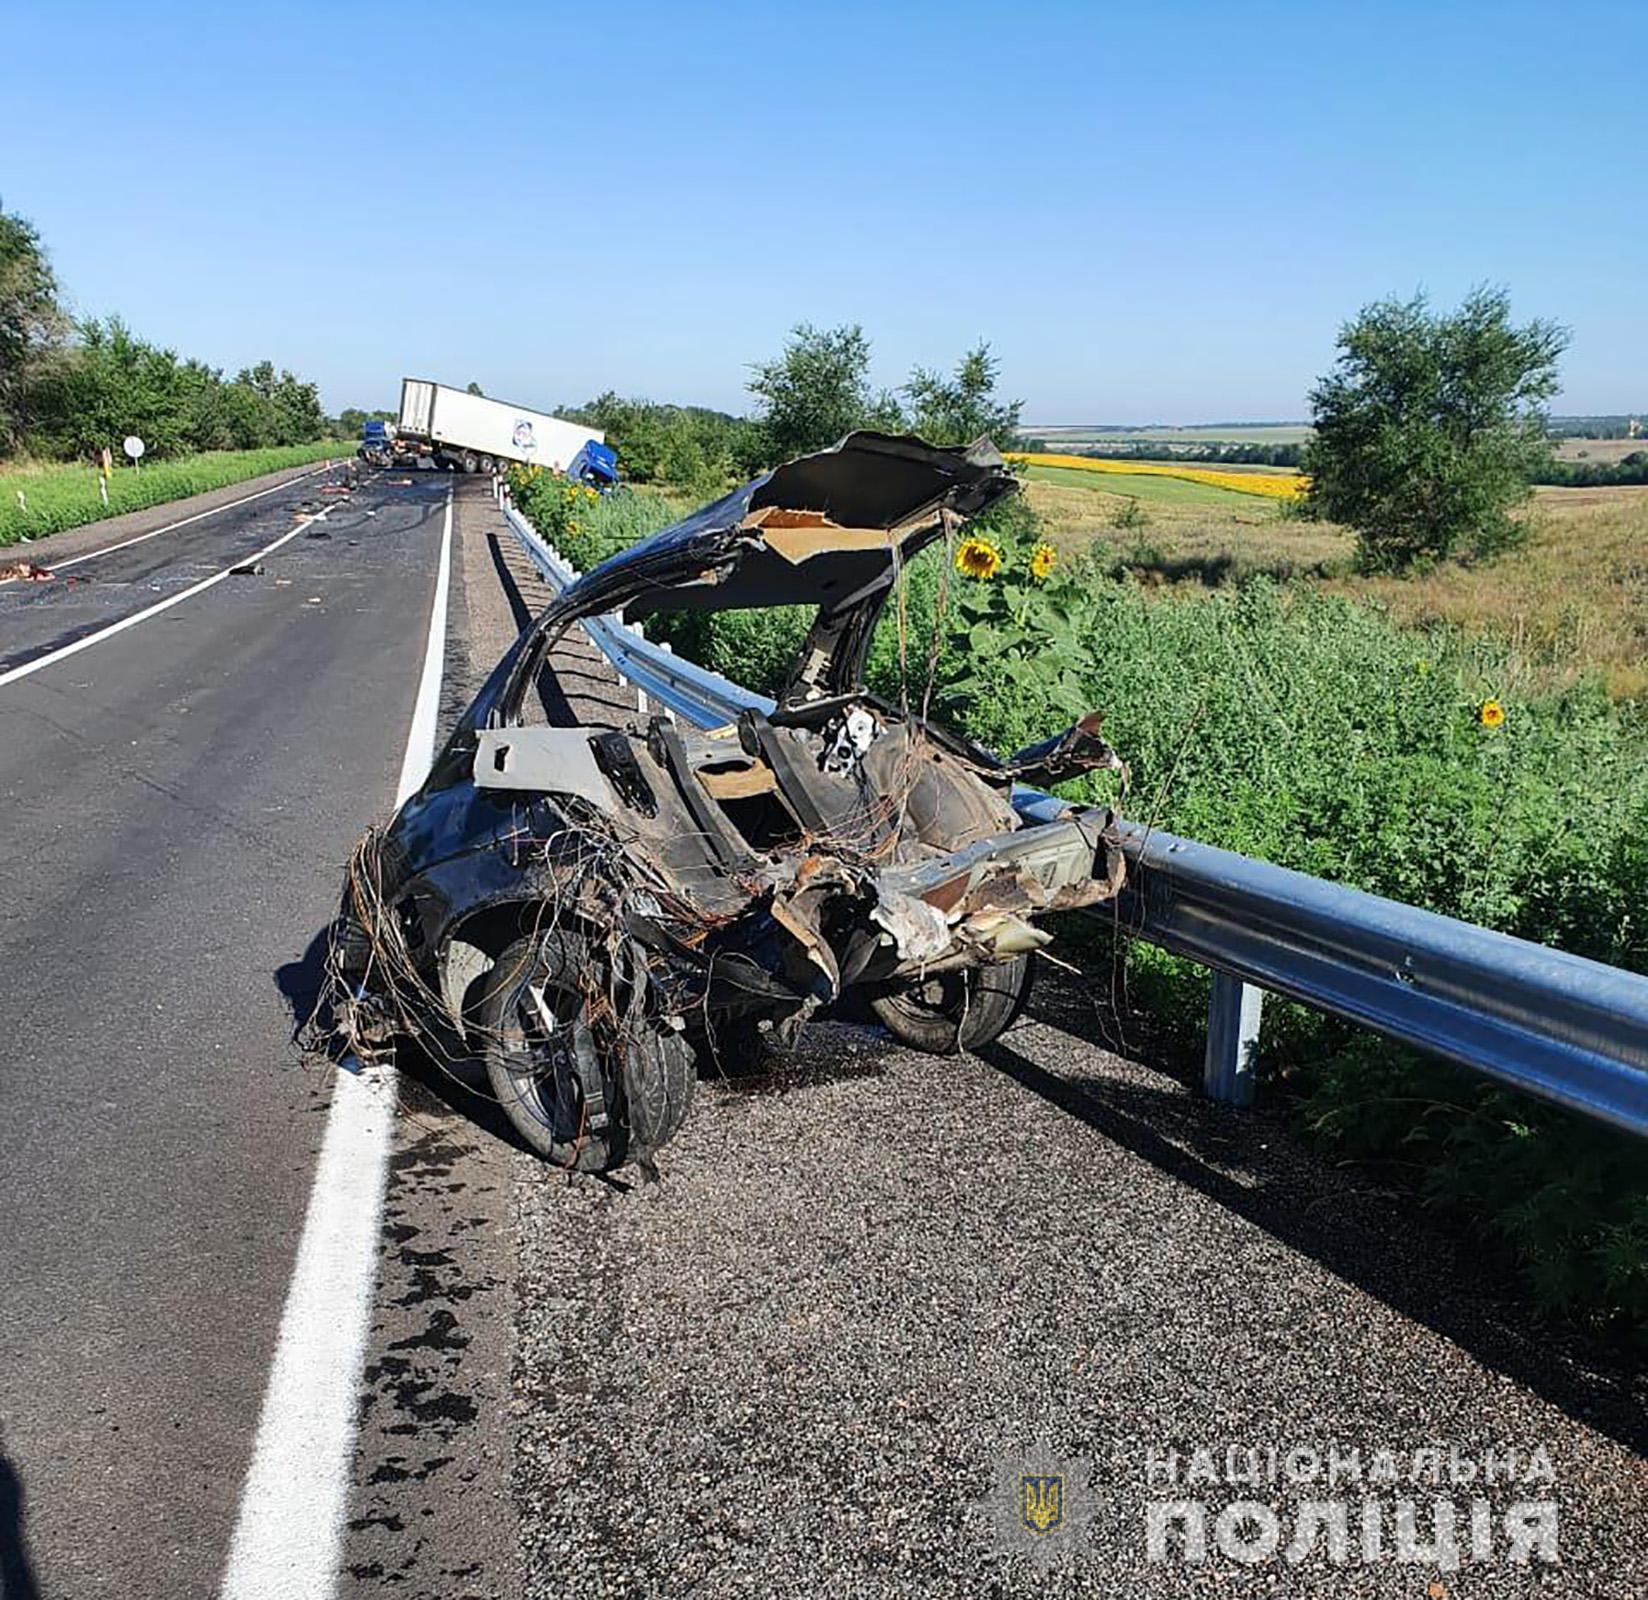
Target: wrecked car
[{"x": 590, "y": 911}]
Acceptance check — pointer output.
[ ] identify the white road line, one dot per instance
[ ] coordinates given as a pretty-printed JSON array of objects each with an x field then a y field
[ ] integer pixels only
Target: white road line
[
  {"x": 183, "y": 522},
  {"x": 420, "y": 741},
  {"x": 288, "y": 1539},
  {"x": 142, "y": 616}
]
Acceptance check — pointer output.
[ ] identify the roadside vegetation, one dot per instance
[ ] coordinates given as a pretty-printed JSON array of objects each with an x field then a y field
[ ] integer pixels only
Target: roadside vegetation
[
  {"x": 586, "y": 527},
  {"x": 38, "y": 500},
  {"x": 1568, "y": 602},
  {"x": 1438, "y": 734}
]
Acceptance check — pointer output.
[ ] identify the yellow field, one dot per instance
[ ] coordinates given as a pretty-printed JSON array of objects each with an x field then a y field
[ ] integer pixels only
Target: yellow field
[{"x": 1272, "y": 485}]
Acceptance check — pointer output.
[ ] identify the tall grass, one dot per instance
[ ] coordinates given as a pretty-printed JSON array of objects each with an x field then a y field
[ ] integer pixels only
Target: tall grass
[{"x": 37, "y": 501}]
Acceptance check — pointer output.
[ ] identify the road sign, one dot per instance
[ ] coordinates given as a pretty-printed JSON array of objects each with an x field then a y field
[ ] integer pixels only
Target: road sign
[{"x": 134, "y": 447}]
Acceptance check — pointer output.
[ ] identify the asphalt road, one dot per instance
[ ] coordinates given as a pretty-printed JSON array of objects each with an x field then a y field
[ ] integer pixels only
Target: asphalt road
[
  {"x": 870, "y": 1292},
  {"x": 178, "y": 798}
]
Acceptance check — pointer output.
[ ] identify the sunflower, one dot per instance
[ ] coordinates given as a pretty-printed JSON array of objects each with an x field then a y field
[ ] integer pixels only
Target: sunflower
[
  {"x": 1491, "y": 714},
  {"x": 1042, "y": 559},
  {"x": 978, "y": 558}
]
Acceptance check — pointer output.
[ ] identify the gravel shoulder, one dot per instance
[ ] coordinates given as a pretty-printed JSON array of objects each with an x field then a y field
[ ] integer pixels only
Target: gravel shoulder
[{"x": 872, "y": 1283}]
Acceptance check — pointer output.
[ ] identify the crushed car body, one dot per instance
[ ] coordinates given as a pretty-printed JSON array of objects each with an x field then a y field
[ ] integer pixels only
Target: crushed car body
[{"x": 589, "y": 911}]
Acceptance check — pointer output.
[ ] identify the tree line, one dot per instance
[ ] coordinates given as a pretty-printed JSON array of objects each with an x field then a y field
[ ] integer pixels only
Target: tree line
[
  {"x": 1627, "y": 471},
  {"x": 1229, "y": 454},
  {"x": 1427, "y": 432},
  {"x": 815, "y": 390},
  {"x": 75, "y": 387}
]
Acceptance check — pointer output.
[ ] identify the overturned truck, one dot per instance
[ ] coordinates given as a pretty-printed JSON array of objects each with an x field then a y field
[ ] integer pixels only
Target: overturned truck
[{"x": 591, "y": 912}]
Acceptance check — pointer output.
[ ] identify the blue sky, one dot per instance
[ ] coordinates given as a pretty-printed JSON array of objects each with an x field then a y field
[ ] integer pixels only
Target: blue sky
[{"x": 1152, "y": 213}]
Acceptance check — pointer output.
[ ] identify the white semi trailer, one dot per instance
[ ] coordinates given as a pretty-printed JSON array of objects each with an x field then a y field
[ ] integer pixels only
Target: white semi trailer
[{"x": 470, "y": 433}]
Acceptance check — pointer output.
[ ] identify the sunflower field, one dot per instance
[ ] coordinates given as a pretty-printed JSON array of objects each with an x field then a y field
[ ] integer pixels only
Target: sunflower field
[{"x": 1271, "y": 485}]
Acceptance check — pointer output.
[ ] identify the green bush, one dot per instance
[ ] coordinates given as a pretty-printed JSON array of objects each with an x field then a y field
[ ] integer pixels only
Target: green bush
[
  {"x": 59, "y": 497},
  {"x": 754, "y": 648},
  {"x": 1131, "y": 516}
]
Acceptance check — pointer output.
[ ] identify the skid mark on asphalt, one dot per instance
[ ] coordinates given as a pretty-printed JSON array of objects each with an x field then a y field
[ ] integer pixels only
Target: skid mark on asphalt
[{"x": 426, "y": 1387}]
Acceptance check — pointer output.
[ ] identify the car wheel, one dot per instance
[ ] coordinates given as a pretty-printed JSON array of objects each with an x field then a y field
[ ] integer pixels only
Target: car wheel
[
  {"x": 545, "y": 1044},
  {"x": 953, "y": 1011}
]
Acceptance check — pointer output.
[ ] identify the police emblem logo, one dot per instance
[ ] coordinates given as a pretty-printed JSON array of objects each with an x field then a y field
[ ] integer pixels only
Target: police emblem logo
[
  {"x": 1042, "y": 1508},
  {"x": 1041, "y": 1505}
]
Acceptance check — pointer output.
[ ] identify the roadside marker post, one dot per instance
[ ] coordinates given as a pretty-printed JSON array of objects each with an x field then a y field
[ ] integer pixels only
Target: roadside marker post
[{"x": 1233, "y": 1012}]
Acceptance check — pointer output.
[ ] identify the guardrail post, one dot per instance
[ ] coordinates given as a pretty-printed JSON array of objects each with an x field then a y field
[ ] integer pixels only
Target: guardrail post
[
  {"x": 1232, "y": 1035},
  {"x": 640, "y": 693}
]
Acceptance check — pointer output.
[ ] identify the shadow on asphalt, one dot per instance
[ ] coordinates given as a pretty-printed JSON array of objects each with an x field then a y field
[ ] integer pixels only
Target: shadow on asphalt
[
  {"x": 518, "y": 607},
  {"x": 459, "y": 1088},
  {"x": 17, "y": 1579},
  {"x": 1368, "y": 1237},
  {"x": 428, "y": 1087},
  {"x": 300, "y": 981}
]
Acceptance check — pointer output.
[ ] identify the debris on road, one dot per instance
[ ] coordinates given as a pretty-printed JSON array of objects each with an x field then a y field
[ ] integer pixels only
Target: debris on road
[
  {"x": 581, "y": 908},
  {"x": 25, "y": 572},
  {"x": 247, "y": 569}
]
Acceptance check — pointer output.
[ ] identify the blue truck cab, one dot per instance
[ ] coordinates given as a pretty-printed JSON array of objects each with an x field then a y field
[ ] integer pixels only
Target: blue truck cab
[
  {"x": 595, "y": 465},
  {"x": 377, "y": 442}
]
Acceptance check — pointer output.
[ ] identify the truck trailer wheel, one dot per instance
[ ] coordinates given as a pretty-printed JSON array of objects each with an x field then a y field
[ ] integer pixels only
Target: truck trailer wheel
[
  {"x": 467, "y": 462},
  {"x": 487, "y": 466},
  {"x": 954, "y": 1011}
]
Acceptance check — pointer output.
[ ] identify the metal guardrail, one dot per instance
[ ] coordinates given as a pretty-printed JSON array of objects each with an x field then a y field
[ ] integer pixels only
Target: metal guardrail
[
  {"x": 1559, "y": 1026},
  {"x": 1555, "y": 1025},
  {"x": 705, "y": 699}
]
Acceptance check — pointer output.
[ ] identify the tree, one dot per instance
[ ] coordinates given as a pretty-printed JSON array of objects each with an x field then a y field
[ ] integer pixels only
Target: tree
[
  {"x": 1429, "y": 426},
  {"x": 963, "y": 407},
  {"x": 818, "y": 390},
  {"x": 298, "y": 414},
  {"x": 110, "y": 384},
  {"x": 349, "y": 421},
  {"x": 689, "y": 447},
  {"x": 474, "y": 388},
  {"x": 32, "y": 324}
]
